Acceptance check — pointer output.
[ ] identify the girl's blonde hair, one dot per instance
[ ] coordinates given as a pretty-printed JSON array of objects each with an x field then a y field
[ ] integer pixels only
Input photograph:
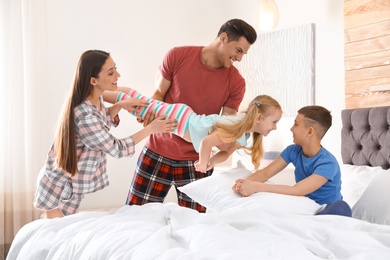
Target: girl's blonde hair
[{"x": 263, "y": 104}]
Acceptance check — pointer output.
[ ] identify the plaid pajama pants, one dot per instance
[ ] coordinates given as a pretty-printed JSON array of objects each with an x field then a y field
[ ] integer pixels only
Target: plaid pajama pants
[{"x": 155, "y": 175}]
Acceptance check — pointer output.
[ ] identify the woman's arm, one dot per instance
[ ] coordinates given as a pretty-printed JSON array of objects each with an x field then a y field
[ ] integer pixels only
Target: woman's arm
[
  {"x": 55, "y": 213},
  {"x": 159, "y": 125},
  {"x": 130, "y": 104},
  {"x": 110, "y": 96}
]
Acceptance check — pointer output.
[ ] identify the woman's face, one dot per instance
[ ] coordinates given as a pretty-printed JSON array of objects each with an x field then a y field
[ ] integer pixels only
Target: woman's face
[{"x": 108, "y": 76}]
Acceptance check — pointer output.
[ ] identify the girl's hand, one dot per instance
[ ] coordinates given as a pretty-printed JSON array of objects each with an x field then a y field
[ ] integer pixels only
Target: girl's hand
[
  {"x": 202, "y": 167},
  {"x": 133, "y": 105},
  {"x": 162, "y": 125}
]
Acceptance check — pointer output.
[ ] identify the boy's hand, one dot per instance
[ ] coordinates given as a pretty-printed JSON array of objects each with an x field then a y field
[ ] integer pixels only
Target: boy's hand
[{"x": 245, "y": 187}]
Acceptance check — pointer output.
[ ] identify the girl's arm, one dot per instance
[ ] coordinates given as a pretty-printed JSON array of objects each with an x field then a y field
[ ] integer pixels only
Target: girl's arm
[
  {"x": 221, "y": 155},
  {"x": 206, "y": 145}
]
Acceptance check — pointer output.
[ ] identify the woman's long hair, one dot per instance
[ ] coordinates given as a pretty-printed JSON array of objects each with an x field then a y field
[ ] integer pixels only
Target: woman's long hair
[
  {"x": 89, "y": 65},
  {"x": 261, "y": 104}
]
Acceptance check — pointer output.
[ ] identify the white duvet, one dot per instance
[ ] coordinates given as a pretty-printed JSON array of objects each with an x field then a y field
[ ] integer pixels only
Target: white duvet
[{"x": 167, "y": 231}]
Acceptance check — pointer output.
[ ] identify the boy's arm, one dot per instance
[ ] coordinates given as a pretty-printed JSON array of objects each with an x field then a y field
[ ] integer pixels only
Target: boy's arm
[
  {"x": 254, "y": 182},
  {"x": 304, "y": 187},
  {"x": 271, "y": 170}
]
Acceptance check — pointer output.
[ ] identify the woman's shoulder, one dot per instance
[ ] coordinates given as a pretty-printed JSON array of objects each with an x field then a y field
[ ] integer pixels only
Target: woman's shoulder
[{"x": 86, "y": 108}]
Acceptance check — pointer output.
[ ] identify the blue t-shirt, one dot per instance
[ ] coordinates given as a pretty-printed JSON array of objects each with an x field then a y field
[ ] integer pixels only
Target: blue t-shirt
[{"x": 323, "y": 164}]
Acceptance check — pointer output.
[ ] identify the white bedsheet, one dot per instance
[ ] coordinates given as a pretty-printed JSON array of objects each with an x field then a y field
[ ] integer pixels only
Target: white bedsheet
[{"x": 167, "y": 231}]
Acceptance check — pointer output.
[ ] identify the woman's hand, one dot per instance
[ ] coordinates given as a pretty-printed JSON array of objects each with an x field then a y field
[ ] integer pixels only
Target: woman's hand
[{"x": 133, "y": 105}]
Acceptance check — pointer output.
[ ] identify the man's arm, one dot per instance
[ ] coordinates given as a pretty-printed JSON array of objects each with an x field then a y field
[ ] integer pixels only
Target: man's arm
[
  {"x": 228, "y": 111},
  {"x": 162, "y": 87}
]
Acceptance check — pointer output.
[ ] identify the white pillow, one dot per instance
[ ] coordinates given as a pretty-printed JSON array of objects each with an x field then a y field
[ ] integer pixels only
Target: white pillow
[
  {"x": 354, "y": 180},
  {"x": 374, "y": 204},
  {"x": 216, "y": 194}
]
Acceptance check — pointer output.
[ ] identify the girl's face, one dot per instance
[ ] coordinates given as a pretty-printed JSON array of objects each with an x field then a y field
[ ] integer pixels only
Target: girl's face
[
  {"x": 108, "y": 77},
  {"x": 266, "y": 123}
]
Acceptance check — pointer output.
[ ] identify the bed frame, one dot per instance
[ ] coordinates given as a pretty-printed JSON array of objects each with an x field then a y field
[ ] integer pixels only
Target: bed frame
[{"x": 365, "y": 136}]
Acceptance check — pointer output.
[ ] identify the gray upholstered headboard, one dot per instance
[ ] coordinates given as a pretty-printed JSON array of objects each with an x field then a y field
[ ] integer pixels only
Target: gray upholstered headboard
[{"x": 365, "y": 136}]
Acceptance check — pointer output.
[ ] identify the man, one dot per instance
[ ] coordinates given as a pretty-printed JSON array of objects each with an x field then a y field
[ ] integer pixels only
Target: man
[{"x": 204, "y": 78}]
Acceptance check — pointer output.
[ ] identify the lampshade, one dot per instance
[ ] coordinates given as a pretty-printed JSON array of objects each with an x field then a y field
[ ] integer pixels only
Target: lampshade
[{"x": 266, "y": 15}]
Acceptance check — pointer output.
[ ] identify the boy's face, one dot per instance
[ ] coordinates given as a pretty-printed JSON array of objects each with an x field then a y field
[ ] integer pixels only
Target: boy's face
[{"x": 299, "y": 129}]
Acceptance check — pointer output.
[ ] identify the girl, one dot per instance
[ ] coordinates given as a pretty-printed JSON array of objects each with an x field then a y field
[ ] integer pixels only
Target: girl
[
  {"x": 225, "y": 132},
  {"x": 76, "y": 163}
]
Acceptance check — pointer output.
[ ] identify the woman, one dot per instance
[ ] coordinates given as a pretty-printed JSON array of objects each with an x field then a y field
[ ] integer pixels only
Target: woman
[{"x": 76, "y": 163}]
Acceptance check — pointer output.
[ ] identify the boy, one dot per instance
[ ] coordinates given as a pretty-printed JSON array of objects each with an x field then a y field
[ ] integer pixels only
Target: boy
[{"x": 317, "y": 172}]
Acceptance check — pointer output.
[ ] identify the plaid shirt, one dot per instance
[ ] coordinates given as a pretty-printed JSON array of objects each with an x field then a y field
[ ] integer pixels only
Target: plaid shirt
[{"x": 55, "y": 188}]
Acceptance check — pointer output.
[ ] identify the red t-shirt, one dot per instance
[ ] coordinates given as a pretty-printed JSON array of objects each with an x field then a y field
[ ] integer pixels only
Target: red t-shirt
[{"x": 205, "y": 90}]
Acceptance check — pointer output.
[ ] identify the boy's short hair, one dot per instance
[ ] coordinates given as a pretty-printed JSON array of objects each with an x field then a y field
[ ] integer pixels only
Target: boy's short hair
[{"x": 317, "y": 116}]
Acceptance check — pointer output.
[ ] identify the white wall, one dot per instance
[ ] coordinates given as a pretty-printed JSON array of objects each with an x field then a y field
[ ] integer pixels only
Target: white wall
[{"x": 138, "y": 33}]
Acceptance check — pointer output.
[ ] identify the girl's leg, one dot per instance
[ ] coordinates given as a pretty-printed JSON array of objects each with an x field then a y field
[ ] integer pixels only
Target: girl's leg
[{"x": 180, "y": 112}]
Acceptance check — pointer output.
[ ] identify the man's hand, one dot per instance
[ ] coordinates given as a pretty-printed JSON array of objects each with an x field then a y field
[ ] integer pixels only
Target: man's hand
[{"x": 148, "y": 118}]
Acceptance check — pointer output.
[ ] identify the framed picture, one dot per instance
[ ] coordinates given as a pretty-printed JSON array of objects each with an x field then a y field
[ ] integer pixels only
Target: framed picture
[{"x": 281, "y": 64}]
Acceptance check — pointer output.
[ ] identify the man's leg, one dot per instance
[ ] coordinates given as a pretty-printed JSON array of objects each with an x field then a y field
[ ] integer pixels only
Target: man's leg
[
  {"x": 152, "y": 179},
  {"x": 183, "y": 174}
]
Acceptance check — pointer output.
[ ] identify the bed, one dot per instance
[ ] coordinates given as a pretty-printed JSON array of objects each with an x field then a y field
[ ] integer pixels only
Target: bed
[{"x": 262, "y": 226}]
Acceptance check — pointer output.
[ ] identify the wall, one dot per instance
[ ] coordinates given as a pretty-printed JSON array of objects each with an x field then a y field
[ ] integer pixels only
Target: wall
[
  {"x": 138, "y": 33},
  {"x": 367, "y": 52}
]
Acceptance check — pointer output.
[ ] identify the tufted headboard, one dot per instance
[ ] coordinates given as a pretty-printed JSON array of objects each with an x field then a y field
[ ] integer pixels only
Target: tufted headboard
[{"x": 365, "y": 136}]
